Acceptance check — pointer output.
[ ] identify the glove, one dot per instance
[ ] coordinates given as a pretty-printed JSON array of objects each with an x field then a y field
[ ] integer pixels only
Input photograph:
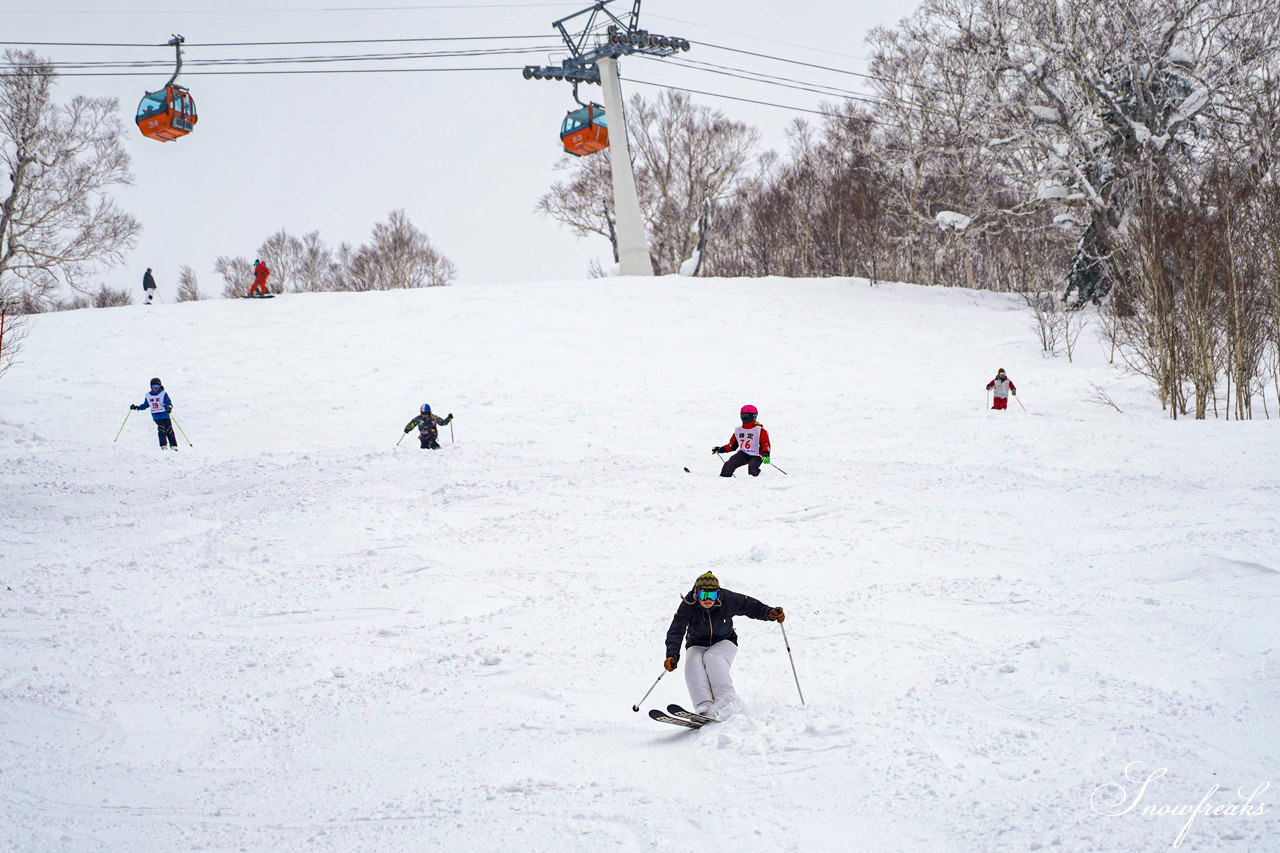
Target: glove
[
  {"x": 448, "y": 417},
  {"x": 776, "y": 614},
  {"x": 670, "y": 663},
  {"x": 133, "y": 408},
  {"x": 764, "y": 459},
  {"x": 716, "y": 450},
  {"x": 1013, "y": 391},
  {"x": 168, "y": 408},
  {"x": 409, "y": 428}
]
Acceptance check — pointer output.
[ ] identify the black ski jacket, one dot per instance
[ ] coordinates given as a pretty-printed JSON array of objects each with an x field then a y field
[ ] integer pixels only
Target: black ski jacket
[
  {"x": 426, "y": 425},
  {"x": 707, "y": 626}
]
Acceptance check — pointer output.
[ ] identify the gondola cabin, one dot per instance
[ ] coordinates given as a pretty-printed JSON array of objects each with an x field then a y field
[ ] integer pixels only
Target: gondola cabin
[
  {"x": 167, "y": 113},
  {"x": 585, "y": 131}
]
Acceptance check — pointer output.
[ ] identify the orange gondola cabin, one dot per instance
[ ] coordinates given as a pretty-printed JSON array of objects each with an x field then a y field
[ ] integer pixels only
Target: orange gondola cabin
[
  {"x": 585, "y": 131},
  {"x": 167, "y": 114}
]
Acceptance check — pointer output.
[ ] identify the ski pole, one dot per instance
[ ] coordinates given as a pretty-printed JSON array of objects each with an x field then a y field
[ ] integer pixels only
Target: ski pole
[
  {"x": 122, "y": 423},
  {"x": 402, "y": 438},
  {"x": 451, "y": 432},
  {"x": 1024, "y": 408},
  {"x": 771, "y": 465},
  {"x": 793, "y": 663},
  {"x": 636, "y": 707},
  {"x": 184, "y": 435}
]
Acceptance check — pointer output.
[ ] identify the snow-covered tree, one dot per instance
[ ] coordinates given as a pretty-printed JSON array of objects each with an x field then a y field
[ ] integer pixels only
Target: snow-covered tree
[{"x": 1089, "y": 104}]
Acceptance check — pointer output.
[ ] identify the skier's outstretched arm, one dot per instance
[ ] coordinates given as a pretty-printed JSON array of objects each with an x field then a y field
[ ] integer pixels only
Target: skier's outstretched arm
[{"x": 753, "y": 608}]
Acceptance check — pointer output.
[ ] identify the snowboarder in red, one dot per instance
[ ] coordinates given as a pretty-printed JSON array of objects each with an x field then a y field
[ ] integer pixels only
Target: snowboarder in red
[
  {"x": 1003, "y": 386},
  {"x": 260, "y": 273},
  {"x": 752, "y": 443}
]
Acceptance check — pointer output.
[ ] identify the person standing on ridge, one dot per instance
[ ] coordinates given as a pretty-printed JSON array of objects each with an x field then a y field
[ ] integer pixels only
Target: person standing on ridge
[
  {"x": 752, "y": 443},
  {"x": 427, "y": 424},
  {"x": 260, "y": 273},
  {"x": 148, "y": 285},
  {"x": 157, "y": 402},
  {"x": 704, "y": 620},
  {"x": 1003, "y": 386}
]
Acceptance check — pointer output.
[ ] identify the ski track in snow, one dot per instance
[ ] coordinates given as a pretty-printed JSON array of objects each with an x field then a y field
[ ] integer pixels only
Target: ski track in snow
[{"x": 295, "y": 635}]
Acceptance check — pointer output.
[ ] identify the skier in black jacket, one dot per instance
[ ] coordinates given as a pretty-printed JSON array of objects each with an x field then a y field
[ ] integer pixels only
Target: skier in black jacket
[
  {"x": 427, "y": 424},
  {"x": 148, "y": 285},
  {"x": 704, "y": 620}
]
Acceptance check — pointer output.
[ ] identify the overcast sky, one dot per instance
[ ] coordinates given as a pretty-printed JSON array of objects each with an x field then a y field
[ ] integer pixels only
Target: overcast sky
[{"x": 466, "y": 154}]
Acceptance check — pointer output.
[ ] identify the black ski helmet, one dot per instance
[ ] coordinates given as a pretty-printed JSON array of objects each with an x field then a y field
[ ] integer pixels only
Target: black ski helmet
[{"x": 155, "y": 380}]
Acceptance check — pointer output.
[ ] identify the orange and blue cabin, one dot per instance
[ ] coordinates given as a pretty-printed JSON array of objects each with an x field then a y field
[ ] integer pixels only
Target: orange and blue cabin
[
  {"x": 585, "y": 131},
  {"x": 167, "y": 114}
]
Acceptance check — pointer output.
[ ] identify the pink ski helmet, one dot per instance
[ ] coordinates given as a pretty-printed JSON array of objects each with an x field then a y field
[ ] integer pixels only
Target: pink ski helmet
[{"x": 750, "y": 410}]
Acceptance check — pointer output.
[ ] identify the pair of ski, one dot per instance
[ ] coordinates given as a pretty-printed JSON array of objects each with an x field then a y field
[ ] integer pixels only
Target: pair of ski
[{"x": 677, "y": 716}]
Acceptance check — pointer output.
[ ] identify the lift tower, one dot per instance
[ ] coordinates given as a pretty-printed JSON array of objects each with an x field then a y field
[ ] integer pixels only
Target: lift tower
[{"x": 611, "y": 37}]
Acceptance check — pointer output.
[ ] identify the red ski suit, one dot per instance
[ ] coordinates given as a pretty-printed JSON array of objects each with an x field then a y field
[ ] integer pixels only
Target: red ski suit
[
  {"x": 260, "y": 273},
  {"x": 1002, "y": 386}
]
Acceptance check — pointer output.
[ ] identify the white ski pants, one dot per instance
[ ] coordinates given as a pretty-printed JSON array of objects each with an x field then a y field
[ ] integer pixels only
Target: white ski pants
[{"x": 706, "y": 673}]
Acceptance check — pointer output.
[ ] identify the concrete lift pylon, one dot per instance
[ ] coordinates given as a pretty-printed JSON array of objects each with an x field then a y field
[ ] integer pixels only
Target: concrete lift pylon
[{"x": 599, "y": 65}]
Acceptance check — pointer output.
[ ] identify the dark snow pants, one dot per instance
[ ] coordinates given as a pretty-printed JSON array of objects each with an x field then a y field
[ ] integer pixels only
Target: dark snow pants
[
  {"x": 737, "y": 460},
  {"x": 428, "y": 438},
  {"x": 164, "y": 427}
]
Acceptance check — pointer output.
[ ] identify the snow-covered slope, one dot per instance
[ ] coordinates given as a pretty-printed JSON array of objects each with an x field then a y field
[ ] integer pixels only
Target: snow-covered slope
[{"x": 294, "y": 635}]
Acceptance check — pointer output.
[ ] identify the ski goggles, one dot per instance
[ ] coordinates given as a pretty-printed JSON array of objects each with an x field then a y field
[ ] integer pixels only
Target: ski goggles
[{"x": 708, "y": 594}]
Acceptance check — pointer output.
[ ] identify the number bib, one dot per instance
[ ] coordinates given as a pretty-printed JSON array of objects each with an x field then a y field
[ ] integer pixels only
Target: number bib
[{"x": 748, "y": 439}]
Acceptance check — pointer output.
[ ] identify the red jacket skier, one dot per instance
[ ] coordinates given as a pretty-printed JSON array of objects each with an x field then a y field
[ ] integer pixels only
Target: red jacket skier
[
  {"x": 752, "y": 443},
  {"x": 1003, "y": 386},
  {"x": 260, "y": 273}
]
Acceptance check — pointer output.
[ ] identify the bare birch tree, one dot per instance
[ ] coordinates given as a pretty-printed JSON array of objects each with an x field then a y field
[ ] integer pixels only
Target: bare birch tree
[
  {"x": 188, "y": 286},
  {"x": 400, "y": 255},
  {"x": 58, "y": 223},
  {"x": 684, "y": 153},
  {"x": 283, "y": 255},
  {"x": 236, "y": 273}
]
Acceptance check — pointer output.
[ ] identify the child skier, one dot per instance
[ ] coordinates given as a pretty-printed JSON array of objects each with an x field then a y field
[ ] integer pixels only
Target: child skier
[
  {"x": 426, "y": 424},
  {"x": 752, "y": 443},
  {"x": 704, "y": 620},
  {"x": 1003, "y": 388},
  {"x": 157, "y": 402}
]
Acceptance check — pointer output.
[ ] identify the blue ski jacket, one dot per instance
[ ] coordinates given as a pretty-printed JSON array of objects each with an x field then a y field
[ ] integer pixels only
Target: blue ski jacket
[{"x": 159, "y": 405}]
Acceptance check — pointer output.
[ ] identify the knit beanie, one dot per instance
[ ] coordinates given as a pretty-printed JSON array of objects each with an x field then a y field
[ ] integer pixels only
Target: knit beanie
[{"x": 706, "y": 581}]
